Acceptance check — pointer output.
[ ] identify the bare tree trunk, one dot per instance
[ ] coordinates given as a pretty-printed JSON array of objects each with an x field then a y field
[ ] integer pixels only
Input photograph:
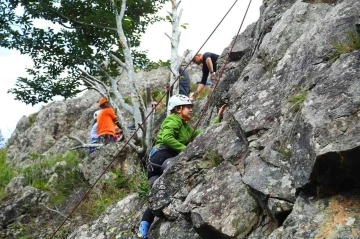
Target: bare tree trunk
[{"x": 175, "y": 40}]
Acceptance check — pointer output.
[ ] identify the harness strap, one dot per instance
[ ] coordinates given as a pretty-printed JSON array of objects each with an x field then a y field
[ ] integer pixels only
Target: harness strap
[{"x": 152, "y": 152}]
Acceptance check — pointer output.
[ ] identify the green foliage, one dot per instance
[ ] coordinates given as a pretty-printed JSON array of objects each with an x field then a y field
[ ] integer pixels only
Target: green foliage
[
  {"x": 88, "y": 31},
  {"x": 37, "y": 175},
  {"x": 157, "y": 94},
  {"x": 2, "y": 140},
  {"x": 113, "y": 190},
  {"x": 142, "y": 186},
  {"x": 68, "y": 177},
  {"x": 351, "y": 44},
  {"x": 127, "y": 100},
  {"x": 284, "y": 151},
  {"x": 204, "y": 93},
  {"x": 211, "y": 159},
  {"x": 269, "y": 63},
  {"x": 139, "y": 183},
  {"x": 6, "y": 173},
  {"x": 184, "y": 25},
  {"x": 32, "y": 118},
  {"x": 151, "y": 65},
  {"x": 297, "y": 99}
]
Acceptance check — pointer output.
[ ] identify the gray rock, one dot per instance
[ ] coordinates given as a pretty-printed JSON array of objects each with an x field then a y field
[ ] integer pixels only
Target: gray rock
[
  {"x": 332, "y": 217},
  {"x": 11, "y": 210},
  {"x": 118, "y": 221}
]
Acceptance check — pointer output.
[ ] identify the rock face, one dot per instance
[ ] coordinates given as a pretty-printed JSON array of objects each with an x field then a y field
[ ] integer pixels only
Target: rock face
[
  {"x": 283, "y": 163},
  {"x": 298, "y": 112},
  {"x": 116, "y": 221}
]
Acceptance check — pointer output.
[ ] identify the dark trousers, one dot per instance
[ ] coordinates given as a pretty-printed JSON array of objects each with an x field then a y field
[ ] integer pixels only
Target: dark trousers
[
  {"x": 163, "y": 158},
  {"x": 106, "y": 138}
]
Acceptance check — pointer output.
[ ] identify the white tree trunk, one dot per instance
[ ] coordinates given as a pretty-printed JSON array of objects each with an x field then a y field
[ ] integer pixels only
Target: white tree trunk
[
  {"x": 138, "y": 109},
  {"x": 175, "y": 40},
  {"x": 137, "y": 102}
]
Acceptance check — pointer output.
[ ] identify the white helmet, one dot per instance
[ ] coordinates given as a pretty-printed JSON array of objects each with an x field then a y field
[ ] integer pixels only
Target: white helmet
[
  {"x": 177, "y": 100},
  {"x": 96, "y": 113}
]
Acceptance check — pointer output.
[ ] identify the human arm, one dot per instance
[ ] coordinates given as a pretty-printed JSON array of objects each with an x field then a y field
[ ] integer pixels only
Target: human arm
[
  {"x": 219, "y": 117},
  {"x": 197, "y": 92},
  {"x": 115, "y": 119},
  {"x": 209, "y": 65}
]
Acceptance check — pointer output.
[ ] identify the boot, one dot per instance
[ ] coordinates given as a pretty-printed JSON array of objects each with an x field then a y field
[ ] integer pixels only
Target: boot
[{"x": 143, "y": 230}]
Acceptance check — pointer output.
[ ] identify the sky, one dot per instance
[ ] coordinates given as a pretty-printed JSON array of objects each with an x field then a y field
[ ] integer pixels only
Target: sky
[{"x": 202, "y": 16}]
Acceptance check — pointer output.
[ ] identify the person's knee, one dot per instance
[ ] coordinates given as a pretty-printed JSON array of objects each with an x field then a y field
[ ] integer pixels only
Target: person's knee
[
  {"x": 152, "y": 180},
  {"x": 166, "y": 164}
]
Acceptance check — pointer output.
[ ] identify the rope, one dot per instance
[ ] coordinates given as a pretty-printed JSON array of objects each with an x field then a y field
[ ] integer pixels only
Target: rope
[
  {"x": 134, "y": 133},
  {"x": 221, "y": 72}
]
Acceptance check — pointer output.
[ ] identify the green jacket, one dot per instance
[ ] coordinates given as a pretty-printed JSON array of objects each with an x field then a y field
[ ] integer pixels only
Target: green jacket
[{"x": 175, "y": 133}]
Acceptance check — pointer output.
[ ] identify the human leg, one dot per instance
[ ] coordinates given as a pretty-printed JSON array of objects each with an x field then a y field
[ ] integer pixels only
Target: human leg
[{"x": 154, "y": 172}]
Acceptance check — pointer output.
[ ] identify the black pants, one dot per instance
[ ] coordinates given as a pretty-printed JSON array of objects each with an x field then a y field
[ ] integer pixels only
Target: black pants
[
  {"x": 106, "y": 138},
  {"x": 163, "y": 158}
]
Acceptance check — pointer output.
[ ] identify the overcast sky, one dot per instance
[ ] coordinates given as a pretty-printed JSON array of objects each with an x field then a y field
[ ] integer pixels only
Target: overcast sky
[{"x": 202, "y": 16}]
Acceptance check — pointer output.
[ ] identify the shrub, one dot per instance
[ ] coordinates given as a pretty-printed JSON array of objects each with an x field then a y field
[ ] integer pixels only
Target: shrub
[
  {"x": 6, "y": 173},
  {"x": 351, "y": 44},
  {"x": 211, "y": 159},
  {"x": 32, "y": 118},
  {"x": 297, "y": 99},
  {"x": 269, "y": 63}
]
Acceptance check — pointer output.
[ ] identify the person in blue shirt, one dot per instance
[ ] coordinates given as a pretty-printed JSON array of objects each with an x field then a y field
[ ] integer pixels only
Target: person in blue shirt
[{"x": 94, "y": 132}]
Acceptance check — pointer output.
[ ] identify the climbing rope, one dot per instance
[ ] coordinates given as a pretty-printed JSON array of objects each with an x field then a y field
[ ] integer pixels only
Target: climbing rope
[
  {"x": 153, "y": 108},
  {"x": 221, "y": 72}
]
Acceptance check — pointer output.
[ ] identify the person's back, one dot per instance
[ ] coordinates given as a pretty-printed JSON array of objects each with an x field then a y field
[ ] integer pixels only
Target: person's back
[
  {"x": 105, "y": 122},
  {"x": 175, "y": 133},
  {"x": 184, "y": 82},
  {"x": 94, "y": 131}
]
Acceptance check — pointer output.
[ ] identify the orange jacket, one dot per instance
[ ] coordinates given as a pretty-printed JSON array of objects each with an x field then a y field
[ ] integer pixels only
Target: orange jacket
[{"x": 105, "y": 120}]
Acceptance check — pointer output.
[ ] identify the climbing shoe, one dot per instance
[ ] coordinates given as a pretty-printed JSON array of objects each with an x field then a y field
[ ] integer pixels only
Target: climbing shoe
[
  {"x": 139, "y": 236},
  {"x": 143, "y": 229}
]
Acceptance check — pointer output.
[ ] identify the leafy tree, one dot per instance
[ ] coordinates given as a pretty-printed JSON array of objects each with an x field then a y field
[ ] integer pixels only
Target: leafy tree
[
  {"x": 81, "y": 34},
  {"x": 90, "y": 44}
]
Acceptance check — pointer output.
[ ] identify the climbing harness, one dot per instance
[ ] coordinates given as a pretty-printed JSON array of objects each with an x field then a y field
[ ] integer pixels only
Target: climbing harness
[
  {"x": 152, "y": 152},
  {"x": 153, "y": 108}
]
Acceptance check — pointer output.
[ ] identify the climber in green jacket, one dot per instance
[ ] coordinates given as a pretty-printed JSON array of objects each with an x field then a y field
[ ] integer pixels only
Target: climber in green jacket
[{"x": 175, "y": 134}]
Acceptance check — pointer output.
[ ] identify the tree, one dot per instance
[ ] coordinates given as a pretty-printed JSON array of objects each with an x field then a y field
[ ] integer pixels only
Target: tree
[
  {"x": 90, "y": 44},
  {"x": 174, "y": 18},
  {"x": 81, "y": 34}
]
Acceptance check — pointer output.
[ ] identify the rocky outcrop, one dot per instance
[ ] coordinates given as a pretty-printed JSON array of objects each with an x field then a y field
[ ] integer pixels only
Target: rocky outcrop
[
  {"x": 115, "y": 222},
  {"x": 283, "y": 163},
  {"x": 331, "y": 217},
  {"x": 298, "y": 111},
  {"x": 16, "y": 209}
]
